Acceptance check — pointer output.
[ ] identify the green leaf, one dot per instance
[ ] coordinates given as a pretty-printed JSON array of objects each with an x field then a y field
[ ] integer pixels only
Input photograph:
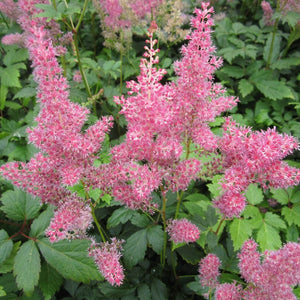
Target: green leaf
[
  {"x": 3, "y": 94},
  {"x": 39, "y": 225},
  {"x": 121, "y": 215},
  {"x": 233, "y": 71},
  {"x": 135, "y": 248},
  {"x": 254, "y": 194},
  {"x": 27, "y": 267},
  {"x": 245, "y": 87},
  {"x": 13, "y": 105},
  {"x": 159, "y": 290},
  {"x": 50, "y": 281},
  {"x": 26, "y": 92},
  {"x": 49, "y": 12},
  {"x": 155, "y": 237},
  {"x": 211, "y": 216},
  {"x": 240, "y": 231},
  {"x": 10, "y": 77},
  {"x": 268, "y": 237},
  {"x": 19, "y": 206},
  {"x": 292, "y": 215},
  {"x": 275, "y": 90},
  {"x": 8, "y": 264},
  {"x": 285, "y": 63},
  {"x": 15, "y": 55},
  {"x": 143, "y": 292},
  {"x": 190, "y": 254},
  {"x": 6, "y": 245},
  {"x": 70, "y": 259},
  {"x": 274, "y": 220},
  {"x": 281, "y": 196},
  {"x": 292, "y": 234},
  {"x": 139, "y": 220},
  {"x": 273, "y": 46}
]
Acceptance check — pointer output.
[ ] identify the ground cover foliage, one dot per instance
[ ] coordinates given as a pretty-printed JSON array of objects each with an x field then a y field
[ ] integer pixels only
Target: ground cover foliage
[{"x": 149, "y": 149}]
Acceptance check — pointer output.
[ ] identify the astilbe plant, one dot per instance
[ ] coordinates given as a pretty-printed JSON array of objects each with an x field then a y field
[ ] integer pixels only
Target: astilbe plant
[
  {"x": 271, "y": 275},
  {"x": 164, "y": 122}
]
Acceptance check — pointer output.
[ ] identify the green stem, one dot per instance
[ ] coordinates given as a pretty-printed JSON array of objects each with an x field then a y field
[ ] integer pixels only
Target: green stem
[
  {"x": 97, "y": 223},
  {"x": 163, "y": 215},
  {"x": 86, "y": 84},
  {"x": 81, "y": 15},
  {"x": 221, "y": 222}
]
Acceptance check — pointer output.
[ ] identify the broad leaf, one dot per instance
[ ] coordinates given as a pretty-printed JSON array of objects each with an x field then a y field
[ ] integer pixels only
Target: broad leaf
[
  {"x": 281, "y": 196},
  {"x": 19, "y": 205},
  {"x": 240, "y": 230},
  {"x": 245, "y": 87},
  {"x": 39, "y": 225},
  {"x": 190, "y": 254},
  {"x": 159, "y": 290},
  {"x": 254, "y": 194},
  {"x": 6, "y": 246},
  {"x": 135, "y": 248},
  {"x": 50, "y": 281},
  {"x": 27, "y": 267},
  {"x": 70, "y": 259},
  {"x": 268, "y": 237},
  {"x": 272, "y": 48},
  {"x": 121, "y": 215},
  {"x": 292, "y": 215},
  {"x": 274, "y": 220},
  {"x": 143, "y": 292},
  {"x": 275, "y": 90},
  {"x": 233, "y": 71},
  {"x": 8, "y": 264},
  {"x": 155, "y": 237}
]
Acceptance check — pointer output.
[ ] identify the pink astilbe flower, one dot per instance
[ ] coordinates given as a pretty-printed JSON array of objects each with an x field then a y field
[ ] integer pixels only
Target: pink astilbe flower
[
  {"x": 253, "y": 157},
  {"x": 182, "y": 231},
  {"x": 268, "y": 13},
  {"x": 10, "y": 8},
  {"x": 228, "y": 291},
  {"x": 209, "y": 271},
  {"x": 70, "y": 221},
  {"x": 13, "y": 39},
  {"x": 107, "y": 258}
]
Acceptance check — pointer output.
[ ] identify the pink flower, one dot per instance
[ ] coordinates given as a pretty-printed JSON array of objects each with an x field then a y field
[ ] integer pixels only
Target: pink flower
[
  {"x": 182, "y": 231},
  {"x": 107, "y": 258},
  {"x": 70, "y": 221},
  {"x": 77, "y": 77},
  {"x": 228, "y": 291},
  {"x": 209, "y": 271},
  {"x": 268, "y": 13}
]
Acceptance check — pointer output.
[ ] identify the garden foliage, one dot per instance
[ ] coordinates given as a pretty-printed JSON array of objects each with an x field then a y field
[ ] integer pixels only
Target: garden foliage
[{"x": 181, "y": 183}]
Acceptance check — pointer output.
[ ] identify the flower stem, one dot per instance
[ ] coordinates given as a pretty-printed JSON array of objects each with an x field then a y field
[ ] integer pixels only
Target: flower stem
[{"x": 97, "y": 223}]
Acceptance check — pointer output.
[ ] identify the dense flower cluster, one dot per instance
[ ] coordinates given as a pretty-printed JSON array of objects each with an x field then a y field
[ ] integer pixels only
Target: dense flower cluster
[
  {"x": 209, "y": 271},
  {"x": 107, "y": 258},
  {"x": 71, "y": 220},
  {"x": 253, "y": 157},
  {"x": 182, "y": 231}
]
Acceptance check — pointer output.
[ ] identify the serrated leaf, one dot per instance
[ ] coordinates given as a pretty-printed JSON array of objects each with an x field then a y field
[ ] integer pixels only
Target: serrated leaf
[
  {"x": 10, "y": 77},
  {"x": 281, "y": 196},
  {"x": 268, "y": 237},
  {"x": 190, "y": 254},
  {"x": 271, "y": 55},
  {"x": 155, "y": 237},
  {"x": 233, "y": 71},
  {"x": 285, "y": 63},
  {"x": 254, "y": 194},
  {"x": 8, "y": 264},
  {"x": 50, "y": 281},
  {"x": 27, "y": 266},
  {"x": 143, "y": 292},
  {"x": 121, "y": 215},
  {"x": 240, "y": 231},
  {"x": 19, "y": 206},
  {"x": 135, "y": 248},
  {"x": 292, "y": 234},
  {"x": 274, "y": 220},
  {"x": 211, "y": 216},
  {"x": 39, "y": 225},
  {"x": 245, "y": 87},
  {"x": 13, "y": 105},
  {"x": 26, "y": 92},
  {"x": 6, "y": 245},
  {"x": 70, "y": 259},
  {"x": 3, "y": 94},
  {"x": 158, "y": 290},
  {"x": 139, "y": 220},
  {"x": 211, "y": 240},
  {"x": 275, "y": 90},
  {"x": 291, "y": 215}
]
